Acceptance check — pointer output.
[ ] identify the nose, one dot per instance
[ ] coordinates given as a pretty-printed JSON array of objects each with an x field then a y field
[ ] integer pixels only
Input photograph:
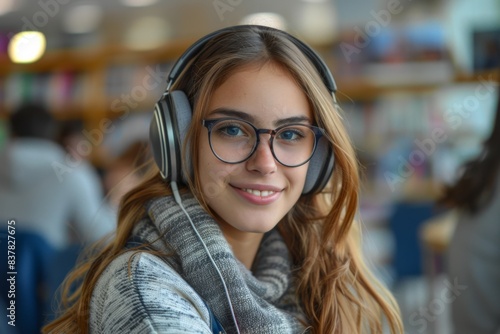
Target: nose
[{"x": 262, "y": 160}]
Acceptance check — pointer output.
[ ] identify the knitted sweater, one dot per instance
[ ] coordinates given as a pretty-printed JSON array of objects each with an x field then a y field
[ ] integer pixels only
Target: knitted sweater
[{"x": 143, "y": 293}]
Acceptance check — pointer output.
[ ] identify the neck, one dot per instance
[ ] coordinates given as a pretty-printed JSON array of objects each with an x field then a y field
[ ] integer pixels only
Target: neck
[{"x": 243, "y": 244}]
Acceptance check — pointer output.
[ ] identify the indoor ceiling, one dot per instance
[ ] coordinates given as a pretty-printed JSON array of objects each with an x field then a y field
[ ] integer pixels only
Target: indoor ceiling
[{"x": 72, "y": 23}]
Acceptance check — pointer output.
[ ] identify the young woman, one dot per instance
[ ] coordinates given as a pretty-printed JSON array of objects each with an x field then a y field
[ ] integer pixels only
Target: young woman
[{"x": 246, "y": 243}]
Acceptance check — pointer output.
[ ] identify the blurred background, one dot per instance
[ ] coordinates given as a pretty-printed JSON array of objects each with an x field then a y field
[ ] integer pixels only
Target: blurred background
[{"x": 416, "y": 80}]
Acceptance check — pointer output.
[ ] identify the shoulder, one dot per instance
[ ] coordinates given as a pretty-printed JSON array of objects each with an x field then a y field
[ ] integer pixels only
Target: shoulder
[{"x": 140, "y": 293}]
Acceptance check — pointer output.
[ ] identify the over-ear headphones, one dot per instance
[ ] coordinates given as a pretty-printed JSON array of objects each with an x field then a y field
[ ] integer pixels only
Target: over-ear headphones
[{"x": 172, "y": 116}]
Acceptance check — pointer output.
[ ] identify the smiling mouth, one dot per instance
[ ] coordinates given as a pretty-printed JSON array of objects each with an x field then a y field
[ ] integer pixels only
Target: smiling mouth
[{"x": 263, "y": 193}]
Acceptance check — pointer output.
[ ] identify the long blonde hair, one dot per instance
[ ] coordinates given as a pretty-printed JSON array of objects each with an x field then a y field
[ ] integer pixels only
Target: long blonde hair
[{"x": 337, "y": 291}]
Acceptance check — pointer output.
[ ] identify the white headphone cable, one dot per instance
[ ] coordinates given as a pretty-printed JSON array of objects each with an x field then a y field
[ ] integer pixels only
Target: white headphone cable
[{"x": 177, "y": 197}]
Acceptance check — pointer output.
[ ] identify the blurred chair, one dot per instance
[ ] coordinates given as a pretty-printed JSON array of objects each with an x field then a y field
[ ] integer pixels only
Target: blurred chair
[
  {"x": 405, "y": 223},
  {"x": 61, "y": 265},
  {"x": 5, "y": 328},
  {"x": 40, "y": 270},
  {"x": 435, "y": 235},
  {"x": 33, "y": 256}
]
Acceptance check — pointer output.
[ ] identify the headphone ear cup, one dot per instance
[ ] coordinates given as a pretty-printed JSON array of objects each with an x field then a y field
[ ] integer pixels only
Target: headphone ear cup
[
  {"x": 157, "y": 141},
  {"x": 320, "y": 168},
  {"x": 167, "y": 133}
]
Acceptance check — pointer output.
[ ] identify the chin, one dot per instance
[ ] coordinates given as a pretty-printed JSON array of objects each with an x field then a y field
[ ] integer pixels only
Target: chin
[
  {"x": 257, "y": 225},
  {"x": 254, "y": 226},
  {"x": 259, "y": 230}
]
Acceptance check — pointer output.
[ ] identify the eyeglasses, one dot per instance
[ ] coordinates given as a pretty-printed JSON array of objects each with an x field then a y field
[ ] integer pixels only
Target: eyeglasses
[{"x": 234, "y": 141}]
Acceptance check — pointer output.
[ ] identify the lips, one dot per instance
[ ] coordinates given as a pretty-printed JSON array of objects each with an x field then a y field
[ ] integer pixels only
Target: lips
[{"x": 258, "y": 194}]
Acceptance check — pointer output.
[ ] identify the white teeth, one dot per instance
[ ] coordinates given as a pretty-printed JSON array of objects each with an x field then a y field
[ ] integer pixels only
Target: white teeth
[{"x": 263, "y": 193}]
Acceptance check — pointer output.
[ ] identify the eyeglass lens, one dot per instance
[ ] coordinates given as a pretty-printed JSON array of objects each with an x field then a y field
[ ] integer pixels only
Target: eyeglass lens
[{"x": 234, "y": 141}]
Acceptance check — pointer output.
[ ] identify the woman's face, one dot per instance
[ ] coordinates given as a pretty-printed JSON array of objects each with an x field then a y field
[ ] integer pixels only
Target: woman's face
[{"x": 254, "y": 195}]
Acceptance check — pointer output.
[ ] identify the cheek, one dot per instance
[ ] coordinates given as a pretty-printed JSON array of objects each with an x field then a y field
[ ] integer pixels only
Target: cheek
[
  {"x": 297, "y": 178},
  {"x": 214, "y": 174},
  {"x": 215, "y": 178}
]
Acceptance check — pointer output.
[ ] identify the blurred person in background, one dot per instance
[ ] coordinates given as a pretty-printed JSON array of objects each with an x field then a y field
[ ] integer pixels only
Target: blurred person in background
[
  {"x": 57, "y": 205},
  {"x": 43, "y": 187},
  {"x": 78, "y": 149},
  {"x": 123, "y": 173},
  {"x": 474, "y": 251}
]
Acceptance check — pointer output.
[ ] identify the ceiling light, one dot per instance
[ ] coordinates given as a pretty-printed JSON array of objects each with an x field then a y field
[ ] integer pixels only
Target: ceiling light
[
  {"x": 266, "y": 19},
  {"x": 27, "y": 47},
  {"x": 138, "y": 3},
  {"x": 317, "y": 23},
  {"x": 82, "y": 19},
  {"x": 147, "y": 33}
]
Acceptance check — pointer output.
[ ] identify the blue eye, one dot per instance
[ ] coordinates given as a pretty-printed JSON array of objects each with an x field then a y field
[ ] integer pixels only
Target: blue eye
[
  {"x": 290, "y": 135},
  {"x": 231, "y": 130}
]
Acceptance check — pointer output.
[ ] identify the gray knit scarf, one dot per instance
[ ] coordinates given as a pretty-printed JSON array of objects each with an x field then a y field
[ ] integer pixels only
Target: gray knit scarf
[{"x": 263, "y": 300}]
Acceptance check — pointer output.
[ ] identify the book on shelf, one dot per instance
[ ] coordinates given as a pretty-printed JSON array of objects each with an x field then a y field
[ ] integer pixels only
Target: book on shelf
[{"x": 58, "y": 91}]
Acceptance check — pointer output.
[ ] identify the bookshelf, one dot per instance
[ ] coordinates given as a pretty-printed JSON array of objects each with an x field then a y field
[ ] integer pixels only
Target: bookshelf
[
  {"x": 98, "y": 86},
  {"x": 82, "y": 83},
  {"x": 86, "y": 84},
  {"x": 112, "y": 82}
]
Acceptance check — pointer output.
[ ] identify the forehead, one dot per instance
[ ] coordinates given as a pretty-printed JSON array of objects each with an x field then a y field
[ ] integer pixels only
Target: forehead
[{"x": 266, "y": 92}]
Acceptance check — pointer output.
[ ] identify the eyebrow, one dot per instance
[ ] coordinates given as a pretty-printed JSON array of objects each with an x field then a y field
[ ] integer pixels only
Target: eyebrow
[
  {"x": 233, "y": 113},
  {"x": 249, "y": 118}
]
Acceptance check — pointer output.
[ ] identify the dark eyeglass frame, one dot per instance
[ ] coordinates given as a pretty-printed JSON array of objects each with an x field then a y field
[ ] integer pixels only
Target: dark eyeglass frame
[{"x": 210, "y": 123}]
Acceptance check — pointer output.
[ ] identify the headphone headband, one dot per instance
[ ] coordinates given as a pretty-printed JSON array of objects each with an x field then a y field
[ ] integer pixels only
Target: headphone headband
[{"x": 194, "y": 49}]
